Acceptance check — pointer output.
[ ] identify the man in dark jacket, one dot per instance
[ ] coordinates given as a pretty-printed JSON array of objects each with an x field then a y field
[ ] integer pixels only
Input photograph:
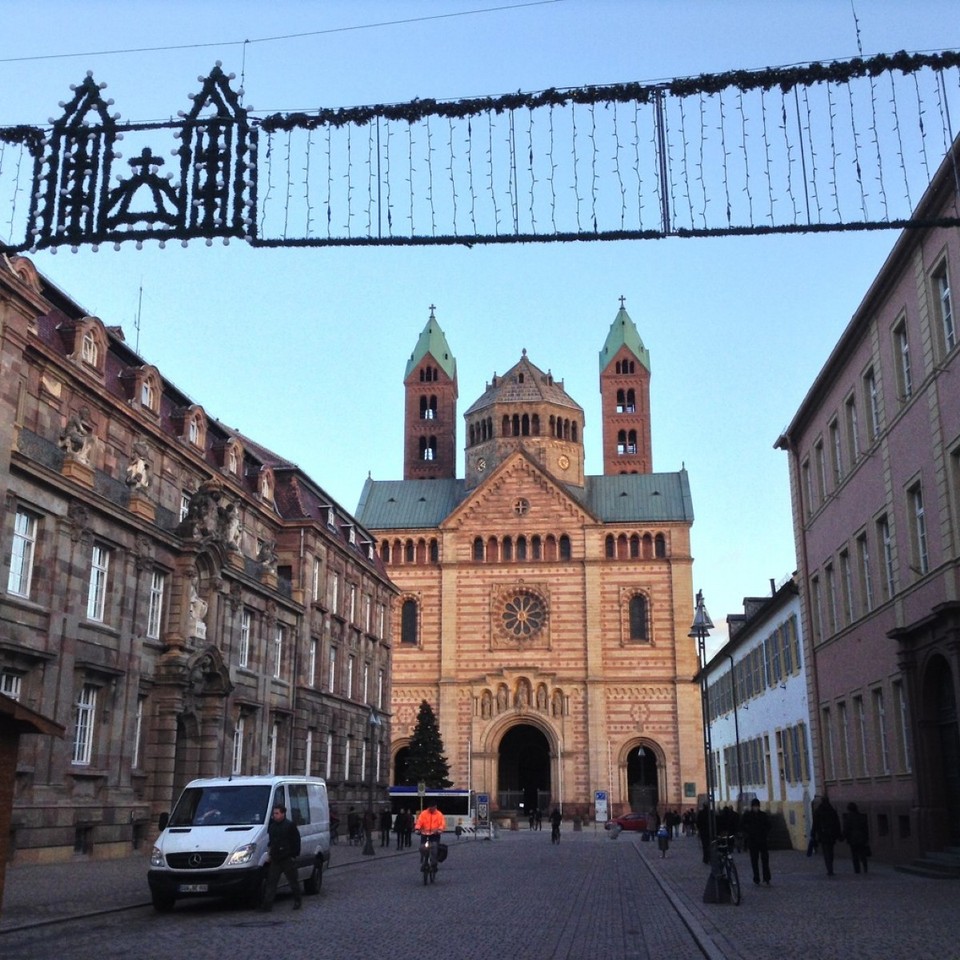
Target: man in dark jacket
[
  {"x": 856, "y": 830},
  {"x": 755, "y": 826},
  {"x": 826, "y": 831},
  {"x": 283, "y": 848}
]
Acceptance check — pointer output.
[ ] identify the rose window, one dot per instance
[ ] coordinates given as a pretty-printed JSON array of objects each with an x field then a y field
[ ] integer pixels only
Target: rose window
[{"x": 524, "y": 615}]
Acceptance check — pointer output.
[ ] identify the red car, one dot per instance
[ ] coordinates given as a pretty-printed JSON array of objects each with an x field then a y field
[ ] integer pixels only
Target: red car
[{"x": 629, "y": 821}]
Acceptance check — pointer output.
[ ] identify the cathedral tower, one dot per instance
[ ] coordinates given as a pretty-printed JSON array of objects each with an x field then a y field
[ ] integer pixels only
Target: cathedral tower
[
  {"x": 430, "y": 421},
  {"x": 625, "y": 399}
]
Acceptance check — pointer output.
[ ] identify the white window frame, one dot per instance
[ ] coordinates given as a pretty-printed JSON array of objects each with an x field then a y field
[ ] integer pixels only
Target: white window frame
[
  {"x": 873, "y": 403},
  {"x": 886, "y": 545},
  {"x": 380, "y": 689},
  {"x": 351, "y": 660},
  {"x": 853, "y": 428},
  {"x": 237, "y": 765},
  {"x": 243, "y": 654},
  {"x": 23, "y": 550},
  {"x": 137, "y": 733},
  {"x": 866, "y": 579},
  {"x": 346, "y": 759},
  {"x": 904, "y": 374},
  {"x": 316, "y": 580},
  {"x": 881, "y": 720},
  {"x": 903, "y": 723},
  {"x": 11, "y": 685},
  {"x": 85, "y": 712},
  {"x": 921, "y": 556},
  {"x": 278, "y": 640},
  {"x": 312, "y": 663},
  {"x": 97, "y": 588},
  {"x": 861, "y": 718},
  {"x": 155, "y": 606},
  {"x": 945, "y": 307}
]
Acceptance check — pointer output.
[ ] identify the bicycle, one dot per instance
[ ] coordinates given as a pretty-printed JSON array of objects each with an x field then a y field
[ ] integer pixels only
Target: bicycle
[
  {"x": 429, "y": 849},
  {"x": 721, "y": 863}
]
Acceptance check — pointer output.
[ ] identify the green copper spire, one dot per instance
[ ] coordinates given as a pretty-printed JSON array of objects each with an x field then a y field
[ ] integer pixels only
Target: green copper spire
[
  {"x": 433, "y": 341},
  {"x": 623, "y": 333}
]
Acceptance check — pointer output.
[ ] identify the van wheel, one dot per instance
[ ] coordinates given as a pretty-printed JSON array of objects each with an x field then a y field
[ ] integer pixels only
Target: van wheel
[
  {"x": 162, "y": 903},
  {"x": 313, "y": 883}
]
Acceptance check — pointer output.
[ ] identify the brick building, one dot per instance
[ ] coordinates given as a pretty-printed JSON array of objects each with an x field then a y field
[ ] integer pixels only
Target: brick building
[
  {"x": 874, "y": 454},
  {"x": 183, "y": 601},
  {"x": 543, "y": 613}
]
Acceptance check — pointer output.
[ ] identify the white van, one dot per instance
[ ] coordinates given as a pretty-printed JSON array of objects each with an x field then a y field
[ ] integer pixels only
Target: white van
[{"x": 214, "y": 844}]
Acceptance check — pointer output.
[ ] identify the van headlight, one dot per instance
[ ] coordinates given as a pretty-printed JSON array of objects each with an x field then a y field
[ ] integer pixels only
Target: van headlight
[
  {"x": 156, "y": 858},
  {"x": 242, "y": 854}
]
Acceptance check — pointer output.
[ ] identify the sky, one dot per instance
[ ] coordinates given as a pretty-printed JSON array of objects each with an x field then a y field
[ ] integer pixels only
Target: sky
[{"x": 304, "y": 350}]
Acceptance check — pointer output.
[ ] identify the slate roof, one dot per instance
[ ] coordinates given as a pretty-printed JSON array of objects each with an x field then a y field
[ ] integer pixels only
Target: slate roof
[
  {"x": 524, "y": 382},
  {"x": 626, "y": 498}
]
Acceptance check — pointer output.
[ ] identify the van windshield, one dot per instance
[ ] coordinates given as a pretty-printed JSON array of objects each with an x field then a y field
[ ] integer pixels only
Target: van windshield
[{"x": 221, "y": 806}]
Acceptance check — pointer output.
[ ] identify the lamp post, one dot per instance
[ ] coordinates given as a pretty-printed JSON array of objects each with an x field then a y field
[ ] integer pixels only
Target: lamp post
[
  {"x": 374, "y": 723},
  {"x": 700, "y": 629}
]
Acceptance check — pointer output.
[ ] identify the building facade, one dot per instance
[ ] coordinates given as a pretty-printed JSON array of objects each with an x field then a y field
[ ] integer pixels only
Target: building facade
[
  {"x": 874, "y": 455},
  {"x": 184, "y": 602},
  {"x": 543, "y": 613},
  {"x": 758, "y": 712}
]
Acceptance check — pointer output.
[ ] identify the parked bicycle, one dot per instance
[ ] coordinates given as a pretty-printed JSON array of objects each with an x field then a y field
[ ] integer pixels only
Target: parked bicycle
[{"x": 723, "y": 866}]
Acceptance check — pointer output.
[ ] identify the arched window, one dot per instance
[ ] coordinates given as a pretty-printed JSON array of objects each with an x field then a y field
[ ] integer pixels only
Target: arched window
[
  {"x": 521, "y": 548},
  {"x": 565, "y": 552},
  {"x": 385, "y": 552},
  {"x": 550, "y": 548},
  {"x": 525, "y": 425},
  {"x": 621, "y": 401},
  {"x": 428, "y": 408},
  {"x": 408, "y": 622},
  {"x": 631, "y": 402},
  {"x": 428, "y": 448},
  {"x": 610, "y": 547},
  {"x": 472, "y": 441},
  {"x": 622, "y": 547},
  {"x": 493, "y": 550},
  {"x": 573, "y": 431},
  {"x": 505, "y": 428},
  {"x": 478, "y": 549},
  {"x": 634, "y": 546},
  {"x": 660, "y": 545},
  {"x": 621, "y": 442},
  {"x": 535, "y": 424},
  {"x": 421, "y": 551},
  {"x": 434, "y": 550},
  {"x": 536, "y": 547},
  {"x": 647, "y": 546},
  {"x": 515, "y": 425},
  {"x": 507, "y": 548},
  {"x": 632, "y": 442},
  {"x": 408, "y": 552},
  {"x": 638, "y": 617}
]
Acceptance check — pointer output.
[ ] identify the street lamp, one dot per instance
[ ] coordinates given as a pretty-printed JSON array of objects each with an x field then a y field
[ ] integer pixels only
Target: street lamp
[
  {"x": 374, "y": 722},
  {"x": 702, "y": 624}
]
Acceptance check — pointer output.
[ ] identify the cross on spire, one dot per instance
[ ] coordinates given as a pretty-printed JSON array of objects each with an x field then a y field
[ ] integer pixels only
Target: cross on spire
[{"x": 622, "y": 301}]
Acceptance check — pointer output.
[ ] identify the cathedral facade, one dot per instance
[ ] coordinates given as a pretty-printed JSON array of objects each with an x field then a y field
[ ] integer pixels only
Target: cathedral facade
[{"x": 543, "y": 613}]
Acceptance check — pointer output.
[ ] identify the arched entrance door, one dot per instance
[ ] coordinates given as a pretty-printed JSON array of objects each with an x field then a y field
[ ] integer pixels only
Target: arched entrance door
[
  {"x": 643, "y": 788},
  {"x": 400, "y": 778},
  {"x": 523, "y": 769}
]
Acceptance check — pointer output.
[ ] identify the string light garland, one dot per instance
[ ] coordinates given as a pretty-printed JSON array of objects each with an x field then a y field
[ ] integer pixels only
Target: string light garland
[{"x": 779, "y": 150}]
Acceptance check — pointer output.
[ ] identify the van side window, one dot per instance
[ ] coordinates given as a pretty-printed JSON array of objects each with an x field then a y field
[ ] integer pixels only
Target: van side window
[
  {"x": 298, "y": 809},
  {"x": 279, "y": 797}
]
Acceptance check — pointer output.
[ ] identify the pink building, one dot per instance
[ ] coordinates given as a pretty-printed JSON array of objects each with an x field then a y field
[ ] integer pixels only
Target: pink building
[{"x": 875, "y": 476}]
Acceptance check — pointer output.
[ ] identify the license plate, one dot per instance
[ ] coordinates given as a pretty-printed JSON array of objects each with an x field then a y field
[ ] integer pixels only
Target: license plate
[{"x": 193, "y": 888}]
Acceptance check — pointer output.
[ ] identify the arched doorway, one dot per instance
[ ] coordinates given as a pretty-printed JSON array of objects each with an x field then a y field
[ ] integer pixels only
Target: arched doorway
[
  {"x": 523, "y": 770},
  {"x": 400, "y": 778},
  {"x": 643, "y": 787}
]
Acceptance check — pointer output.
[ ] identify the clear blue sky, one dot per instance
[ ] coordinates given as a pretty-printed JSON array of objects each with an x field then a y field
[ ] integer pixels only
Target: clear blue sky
[{"x": 305, "y": 350}]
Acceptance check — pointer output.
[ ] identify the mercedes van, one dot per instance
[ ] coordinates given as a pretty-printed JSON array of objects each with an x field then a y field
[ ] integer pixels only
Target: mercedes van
[{"x": 214, "y": 843}]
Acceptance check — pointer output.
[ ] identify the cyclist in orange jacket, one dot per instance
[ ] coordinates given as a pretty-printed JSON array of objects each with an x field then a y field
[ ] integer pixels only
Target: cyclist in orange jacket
[{"x": 430, "y": 824}]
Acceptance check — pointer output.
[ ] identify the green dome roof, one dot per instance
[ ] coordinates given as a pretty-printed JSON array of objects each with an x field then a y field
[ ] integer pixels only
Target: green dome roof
[{"x": 623, "y": 333}]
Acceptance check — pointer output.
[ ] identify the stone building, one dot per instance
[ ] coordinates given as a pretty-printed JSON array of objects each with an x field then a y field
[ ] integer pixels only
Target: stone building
[
  {"x": 543, "y": 613},
  {"x": 874, "y": 453},
  {"x": 183, "y": 601}
]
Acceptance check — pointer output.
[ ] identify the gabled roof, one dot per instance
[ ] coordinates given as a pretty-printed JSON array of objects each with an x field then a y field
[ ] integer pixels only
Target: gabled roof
[
  {"x": 524, "y": 382},
  {"x": 627, "y": 498},
  {"x": 433, "y": 342},
  {"x": 623, "y": 333}
]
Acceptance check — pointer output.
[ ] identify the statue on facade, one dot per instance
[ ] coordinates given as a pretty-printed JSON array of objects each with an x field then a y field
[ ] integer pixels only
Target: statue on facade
[
  {"x": 77, "y": 437},
  {"x": 198, "y": 610},
  {"x": 138, "y": 468},
  {"x": 228, "y": 525},
  {"x": 267, "y": 556},
  {"x": 202, "y": 517}
]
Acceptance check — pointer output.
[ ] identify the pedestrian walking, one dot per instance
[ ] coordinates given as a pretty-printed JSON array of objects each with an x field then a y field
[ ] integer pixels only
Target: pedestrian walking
[
  {"x": 386, "y": 822},
  {"x": 555, "y": 820},
  {"x": 663, "y": 839},
  {"x": 856, "y": 830},
  {"x": 755, "y": 825},
  {"x": 400, "y": 827},
  {"x": 826, "y": 831},
  {"x": 703, "y": 831},
  {"x": 283, "y": 848},
  {"x": 408, "y": 828}
]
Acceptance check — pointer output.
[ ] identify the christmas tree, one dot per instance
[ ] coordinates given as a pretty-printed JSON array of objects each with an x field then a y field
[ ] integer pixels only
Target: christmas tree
[{"x": 425, "y": 760}]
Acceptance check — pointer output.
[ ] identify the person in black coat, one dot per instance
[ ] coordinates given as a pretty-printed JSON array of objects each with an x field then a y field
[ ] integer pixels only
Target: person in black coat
[
  {"x": 703, "y": 831},
  {"x": 856, "y": 830},
  {"x": 386, "y": 822},
  {"x": 755, "y": 826},
  {"x": 283, "y": 839},
  {"x": 826, "y": 831}
]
